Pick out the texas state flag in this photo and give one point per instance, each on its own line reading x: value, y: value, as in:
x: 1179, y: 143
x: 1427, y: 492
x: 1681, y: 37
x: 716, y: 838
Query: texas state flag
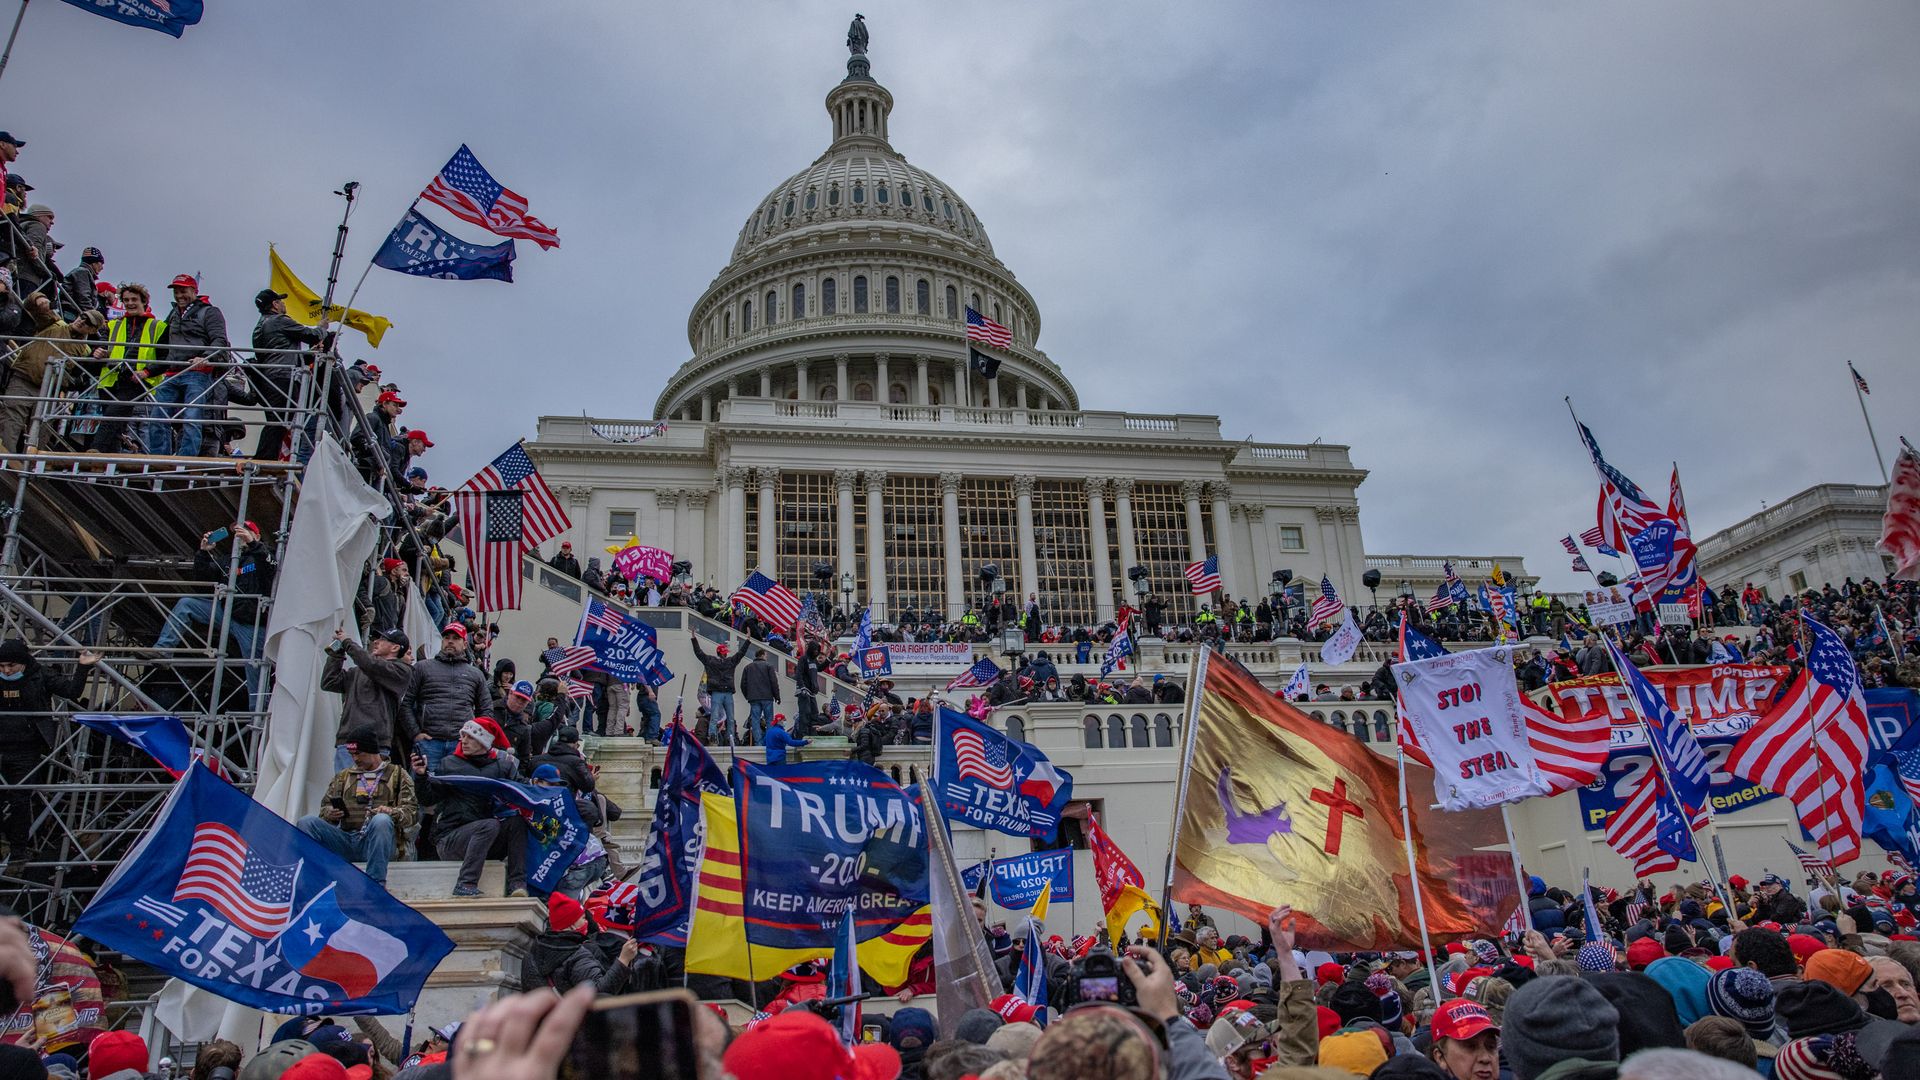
x: 323, y: 943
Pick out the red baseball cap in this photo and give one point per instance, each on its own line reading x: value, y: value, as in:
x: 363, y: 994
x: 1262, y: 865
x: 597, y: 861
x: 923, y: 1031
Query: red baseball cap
x: 1329, y: 972
x: 416, y: 433
x: 1643, y: 952
x: 453, y: 627
x: 795, y: 1045
x: 389, y: 396
x: 183, y: 281
x: 1461, y: 1019
x: 1013, y: 1009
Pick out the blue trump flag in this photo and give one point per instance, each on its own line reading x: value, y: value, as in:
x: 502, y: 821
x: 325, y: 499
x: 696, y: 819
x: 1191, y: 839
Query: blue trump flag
x: 661, y: 909
x: 988, y: 780
x: 1893, y: 779
x: 419, y: 247
x: 226, y: 895
x: 167, y: 16
x: 627, y: 648
x: 1015, y: 882
x: 165, y: 737
x: 555, y: 834
x: 972, y: 876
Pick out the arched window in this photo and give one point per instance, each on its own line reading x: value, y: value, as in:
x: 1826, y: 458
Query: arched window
x: 1381, y: 732
x: 813, y: 199
x: 897, y: 394
x: 974, y: 303
x: 906, y: 199
x: 1090, y: 727
x: 833, y: 195
x: 933, y: 395
x: 746, y: 315
x: 1116, y: 733
x: 769, y: 221
x: 789, y: 210
x: 926, y: 200
x: 830, y: 392
x: 996, y: 311
x: 1338, y: 718
x: 880, y: 196
x: 1163, y: 730
x: 922, y: 298
x: 860, y: 294
x: 859, y: 193
x: 799, y: 308
x: 772, y: 313
x: 863, y: 391
x: 1017, y: 728
x: 947, y: 208
x: 830, y: 296
x: 727, y: 322
x: 1139, y: 730
x: 893, y: 295
x: 953, y: 303
x: 653, y: 779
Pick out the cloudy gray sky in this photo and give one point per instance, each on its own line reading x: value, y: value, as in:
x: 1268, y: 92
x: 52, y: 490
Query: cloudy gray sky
x: 1408, y: 227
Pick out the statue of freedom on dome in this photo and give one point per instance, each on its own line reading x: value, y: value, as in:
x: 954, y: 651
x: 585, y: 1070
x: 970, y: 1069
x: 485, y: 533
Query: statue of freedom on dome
x: 857, y: 36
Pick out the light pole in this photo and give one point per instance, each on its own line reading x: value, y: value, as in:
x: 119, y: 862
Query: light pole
x: 846, y: 593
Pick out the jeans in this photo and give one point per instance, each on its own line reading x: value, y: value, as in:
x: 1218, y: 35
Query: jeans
x: 721, y: 711
x: 199, y: 611
x: 435, y: 751
x: 759, y: 715
x: 373, y: 843
x: 581, y: 877
x: 473, y: 842
x: 188, y: 390
x: 649, y: 717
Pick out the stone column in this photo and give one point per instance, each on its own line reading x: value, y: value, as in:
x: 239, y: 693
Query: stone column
x: 706, y: 405
x: 766, y: 382
x: 800, y: 379
x: 1020, y: 395
x: 1196, y: 529
x: 579, y: 512
x: 840, y: 376
x: 950, y: 541
x: 1259, y: 558
x: 1023, y: 527
x: 843, y: 480
x: 1123, y: 517
x: 1328, y: 520
x: 960, y: 382
x: 693, y: 526
x: 993, y: 393
x: 666, y: 521
x: 876, y: 482
x: 881, y: 391
x: 1097, y: 548
x: 733, y: 526
x: 767, y: 557
x: 1222, y: 494
x: 920, y: 379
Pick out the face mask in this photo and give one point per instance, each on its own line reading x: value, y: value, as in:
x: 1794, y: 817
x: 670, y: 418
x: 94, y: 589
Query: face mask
x: 15, y: 675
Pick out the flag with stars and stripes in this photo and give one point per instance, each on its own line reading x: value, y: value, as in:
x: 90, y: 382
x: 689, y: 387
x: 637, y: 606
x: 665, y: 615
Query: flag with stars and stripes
x: 1120, y: 648
x: 513, y: 470
x: 987, y: 332
x: 1811, y: 863
x: 768, y: 599
x: 1204, y: 575
x: 466, y: 188
x: 810, y: 619
x: 982, y: 673
x: 1859, y: 383
x: 1327, y: 606
x: 493, y: 525
x: 1441, y: 600
x: 1670, y: 737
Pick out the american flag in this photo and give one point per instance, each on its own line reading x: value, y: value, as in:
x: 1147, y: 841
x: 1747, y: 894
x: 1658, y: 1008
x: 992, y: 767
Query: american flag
x: 1204, y: 575
x: 1669, y: 736
x: 1120, y: 648
x: 465, y: 187
x: 987, y: 332
x: 514, y: 471
x: 1570, y: 753
x: 1812, y: 746
x: 1624, y: 510
x: 222, y: 870
x: 1442, y: 598
x: 1635, y: 908
x: 1567, y: 542
x: 576, y: 689
x: 1327, y: 606
x: 493, y: 524
x: 600, y: 615
x: 810, y: 617
x: 1593, y: 537
x: 569, y: 658
x: 982, y: 673
x: 1811, y: 863
x: 1454, y: 585
x: 1648, y: 830
x: 768, y: 599
x: 984, y: 761
x: 1859, y: 383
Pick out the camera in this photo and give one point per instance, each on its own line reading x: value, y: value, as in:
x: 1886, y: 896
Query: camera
x: 1097, y: 979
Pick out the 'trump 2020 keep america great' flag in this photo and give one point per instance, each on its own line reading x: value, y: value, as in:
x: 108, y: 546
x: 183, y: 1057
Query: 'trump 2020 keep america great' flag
x: 226, y: 895
x: 986, y: 779
x: 673, y: 843
x: 623, y: 646
x: 419, y: 247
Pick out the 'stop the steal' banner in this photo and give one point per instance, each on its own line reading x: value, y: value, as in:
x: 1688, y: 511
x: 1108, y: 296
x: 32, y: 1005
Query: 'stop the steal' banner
x: 988, y: 780
x: 1465, y: 708
x: 1015, y: 882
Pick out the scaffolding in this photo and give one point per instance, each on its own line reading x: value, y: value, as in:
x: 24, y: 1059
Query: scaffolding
x: 99, y: 556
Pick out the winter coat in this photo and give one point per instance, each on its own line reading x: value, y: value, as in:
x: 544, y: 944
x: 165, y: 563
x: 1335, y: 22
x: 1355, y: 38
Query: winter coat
x: 394, y: 788
x: 459, y: 806
x: 563, y: 959
x: 719, y: 669
x: 759, y: 682
x: 252, y: 582
x: 202, y: 331
x: 276, y: 342
x: 369, y: 695
x: 869, y: 741
x: 33, y: 692
x: 778, y: 741
x: 566, y: 757
x: 443, y: 695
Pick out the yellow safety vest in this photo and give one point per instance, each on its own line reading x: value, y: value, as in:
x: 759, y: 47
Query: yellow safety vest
x: 117, y: 335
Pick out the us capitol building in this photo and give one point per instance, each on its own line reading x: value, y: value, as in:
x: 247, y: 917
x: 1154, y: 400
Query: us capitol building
x: 828, y: 415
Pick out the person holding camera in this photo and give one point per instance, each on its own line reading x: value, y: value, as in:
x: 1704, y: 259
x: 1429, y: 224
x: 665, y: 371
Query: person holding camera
x: 370, y: 690
x: 366, y: 810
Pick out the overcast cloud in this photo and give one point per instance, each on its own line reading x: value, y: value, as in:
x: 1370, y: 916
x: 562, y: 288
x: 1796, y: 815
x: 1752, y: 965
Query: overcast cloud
x: 1408, y: 227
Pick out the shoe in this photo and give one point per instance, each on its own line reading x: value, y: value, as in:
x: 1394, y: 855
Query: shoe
x: 466, y: 890
x: 515, y: 892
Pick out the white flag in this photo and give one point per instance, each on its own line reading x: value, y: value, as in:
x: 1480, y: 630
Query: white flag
x: 1341, y: 646
x: 1296, y: 685
x: 1465, y: 709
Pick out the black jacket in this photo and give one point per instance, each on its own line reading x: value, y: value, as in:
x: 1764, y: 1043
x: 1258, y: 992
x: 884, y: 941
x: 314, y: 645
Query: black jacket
x: 79, y: 294
x: 457, y: 806
x: 198, y: 326
x: 760, y: 682
x: 566, y: 757
x: 370, y: 696
x: 563, y: 959
x: 445, y: 694
x: 719, y: 668
x: 252, y: 583
x: 870, y: 740
x: 33, y: 692
x: 276, y: 342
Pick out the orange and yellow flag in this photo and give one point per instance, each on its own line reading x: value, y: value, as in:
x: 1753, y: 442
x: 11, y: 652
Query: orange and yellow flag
x: 1282, y: 809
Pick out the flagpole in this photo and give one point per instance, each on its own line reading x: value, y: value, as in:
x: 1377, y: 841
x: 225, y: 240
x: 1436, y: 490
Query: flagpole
x: 1858, y: 394
x: 17, y: 20
x: 1196, y: 681
x: 1413, y: 871
x: 346, y: 192
x: 1519, y: 873
x: 1819, y: 758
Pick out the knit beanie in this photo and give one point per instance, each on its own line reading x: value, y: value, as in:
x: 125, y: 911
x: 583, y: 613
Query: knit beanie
x: 1806, y: 1059
x: 1352, y: 1001
x: 1595, y: 956
x: 1555, y: 1018
x: 1648, y: 1018
x: 1816, y: 1008
x: 977, y: 1026
x: 1745, y: 995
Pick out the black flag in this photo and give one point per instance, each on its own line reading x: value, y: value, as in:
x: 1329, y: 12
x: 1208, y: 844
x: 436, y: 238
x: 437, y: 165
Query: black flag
x: 983, y: 365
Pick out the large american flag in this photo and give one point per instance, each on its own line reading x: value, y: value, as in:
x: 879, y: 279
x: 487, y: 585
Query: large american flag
x: 768, y: 599
x: 1204, y: 575
x: 1812, y: 746
x: 1648, y: 830
x: 984, y: 761
x: 1669, y: 737
x: 514, y: 471
x: 1569, y: 753
x: 493, y: 524
x: 1624, y: 510
x: 982, y: 673
x: 465, y: 187
x: 987, y: 332
x: 570, y: 658
x: 1327, y: 606
x: 222, y: 870
x: 1442, y: 599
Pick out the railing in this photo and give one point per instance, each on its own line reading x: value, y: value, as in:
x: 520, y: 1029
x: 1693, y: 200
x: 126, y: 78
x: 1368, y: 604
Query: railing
x: 1851, y: 497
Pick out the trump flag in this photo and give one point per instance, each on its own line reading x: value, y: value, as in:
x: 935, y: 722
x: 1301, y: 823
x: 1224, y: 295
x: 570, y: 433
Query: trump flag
x: 623, y: 646
x: 990, y: 781
x: 226, y: 895
x: 675, y: 839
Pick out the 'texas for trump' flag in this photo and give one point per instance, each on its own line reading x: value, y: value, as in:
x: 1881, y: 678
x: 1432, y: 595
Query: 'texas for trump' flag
x: 1282, y: 809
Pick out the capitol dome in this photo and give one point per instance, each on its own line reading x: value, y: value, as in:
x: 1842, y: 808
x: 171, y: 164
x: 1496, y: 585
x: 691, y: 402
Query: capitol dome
x: 850, y: 280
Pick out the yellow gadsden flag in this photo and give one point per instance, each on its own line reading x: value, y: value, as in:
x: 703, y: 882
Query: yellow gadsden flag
x: 1283, y: 809
x: 303, y: 304
x: 718, y: 939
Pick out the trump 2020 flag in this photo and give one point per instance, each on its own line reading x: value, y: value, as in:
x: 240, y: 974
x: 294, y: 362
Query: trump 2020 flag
x: 988, y: 780
x: 624, y: 647
x: 419, y: 247
x: 165, y: 737
x: 843, y: 977
x: 167, y: 16
x: 226, y: 895
x: 660, y: 912
x: 555, y: 834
